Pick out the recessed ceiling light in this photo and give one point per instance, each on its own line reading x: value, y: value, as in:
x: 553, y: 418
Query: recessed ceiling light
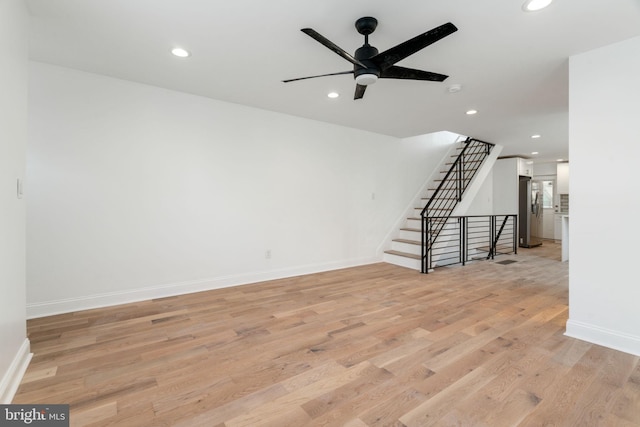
x: 534, y: 152
x: 472, y: 112
x: 333, y: 95
x: 180, y: 52
x: 454, y: 88
x: 536, y: 136
x: 533, y: 5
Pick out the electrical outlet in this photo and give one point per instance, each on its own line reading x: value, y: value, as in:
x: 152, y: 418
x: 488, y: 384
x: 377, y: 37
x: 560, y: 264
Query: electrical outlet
x: 267, y: 254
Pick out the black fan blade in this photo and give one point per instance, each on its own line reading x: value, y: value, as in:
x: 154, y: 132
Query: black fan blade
x: 396, y: 72
x: 359, y: 91
x: 397, y: 53
x: 331, y: 45
x: 321, y: 75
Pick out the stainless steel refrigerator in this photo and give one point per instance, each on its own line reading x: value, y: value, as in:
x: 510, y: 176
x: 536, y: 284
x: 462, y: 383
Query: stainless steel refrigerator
x: 530, y: 212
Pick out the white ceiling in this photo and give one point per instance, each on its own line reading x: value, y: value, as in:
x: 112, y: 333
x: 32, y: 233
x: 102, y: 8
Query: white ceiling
x: 513, y: 65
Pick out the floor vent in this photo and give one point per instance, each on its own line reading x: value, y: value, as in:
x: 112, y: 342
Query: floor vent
x: 506, y: 262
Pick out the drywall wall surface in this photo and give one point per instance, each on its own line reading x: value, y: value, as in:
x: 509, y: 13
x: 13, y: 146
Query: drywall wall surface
x: 505, y: 186
x: 603, y: 142
x: 424, y: 157
x: 546, y: 169
x: 139, y: 191
x: 482, y: 203
x: 13, y: 138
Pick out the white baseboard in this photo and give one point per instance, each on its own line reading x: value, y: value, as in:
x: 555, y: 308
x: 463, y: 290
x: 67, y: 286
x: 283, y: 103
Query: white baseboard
x: 49, y: 308
x: 605, y: 337
x: 13, y: 376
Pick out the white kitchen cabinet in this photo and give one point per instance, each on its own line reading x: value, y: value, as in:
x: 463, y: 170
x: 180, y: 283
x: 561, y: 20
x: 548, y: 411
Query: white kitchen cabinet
x: 525, y: 167
x: 562, y: 176
x: 557, y: 227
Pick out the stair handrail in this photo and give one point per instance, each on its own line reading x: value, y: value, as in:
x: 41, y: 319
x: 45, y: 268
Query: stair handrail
x: 455, y: 163
x: 424, y: 213
x: 467, y: 143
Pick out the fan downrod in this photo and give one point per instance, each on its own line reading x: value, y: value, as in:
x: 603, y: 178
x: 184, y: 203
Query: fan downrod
x: 366, y: 25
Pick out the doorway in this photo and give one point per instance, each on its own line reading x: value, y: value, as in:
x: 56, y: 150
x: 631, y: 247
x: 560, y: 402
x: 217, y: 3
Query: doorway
x: 548, y: 207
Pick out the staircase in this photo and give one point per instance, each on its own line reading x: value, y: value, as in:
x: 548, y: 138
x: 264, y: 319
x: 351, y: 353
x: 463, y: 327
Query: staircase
x: 439, y: 202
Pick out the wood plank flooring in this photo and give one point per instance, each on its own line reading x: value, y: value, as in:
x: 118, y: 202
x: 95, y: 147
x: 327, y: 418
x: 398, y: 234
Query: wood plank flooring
x: 377, y: 345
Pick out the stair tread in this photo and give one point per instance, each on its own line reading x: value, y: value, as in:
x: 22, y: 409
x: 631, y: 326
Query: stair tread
x: 404, y: 254
x: 417, y: 230
x: 466, y: 162
x: 414, y: 230
x: 419, y: 219
x: 410, y: 242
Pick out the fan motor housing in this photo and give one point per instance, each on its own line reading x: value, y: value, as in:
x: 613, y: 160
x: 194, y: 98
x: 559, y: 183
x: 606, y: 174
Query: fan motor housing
x: 363, y: 54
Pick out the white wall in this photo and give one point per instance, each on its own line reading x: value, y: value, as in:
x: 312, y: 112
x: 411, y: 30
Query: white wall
x: 544, y: 170
x: 483, y: 200
x: 604, y: 295
x: 14, y: 346
x: 506, y: 186
x: 138, y: 192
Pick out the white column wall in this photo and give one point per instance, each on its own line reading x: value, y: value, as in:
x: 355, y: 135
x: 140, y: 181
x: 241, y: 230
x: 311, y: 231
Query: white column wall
x: 138, y: 192
x: 14, y: 346
x: 506, y: 186
x: 604, y: 136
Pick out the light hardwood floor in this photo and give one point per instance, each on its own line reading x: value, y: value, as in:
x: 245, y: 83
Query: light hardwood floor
x: 377, y: 345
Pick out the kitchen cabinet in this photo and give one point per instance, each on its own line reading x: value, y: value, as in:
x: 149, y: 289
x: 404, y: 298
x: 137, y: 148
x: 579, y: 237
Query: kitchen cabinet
x: 562, y: 177
x: 557, y: 227
x: 525, y: 167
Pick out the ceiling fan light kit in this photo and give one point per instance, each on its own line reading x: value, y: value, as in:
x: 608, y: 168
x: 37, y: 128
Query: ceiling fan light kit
x: 366, y: 79
x: 369, y: 65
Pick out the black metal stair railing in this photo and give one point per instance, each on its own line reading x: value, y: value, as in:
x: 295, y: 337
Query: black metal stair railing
x: 468, y: 238
x: 449, y: 193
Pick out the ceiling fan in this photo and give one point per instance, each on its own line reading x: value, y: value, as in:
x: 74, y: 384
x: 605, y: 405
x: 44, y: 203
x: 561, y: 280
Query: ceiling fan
x: 369, y: 65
